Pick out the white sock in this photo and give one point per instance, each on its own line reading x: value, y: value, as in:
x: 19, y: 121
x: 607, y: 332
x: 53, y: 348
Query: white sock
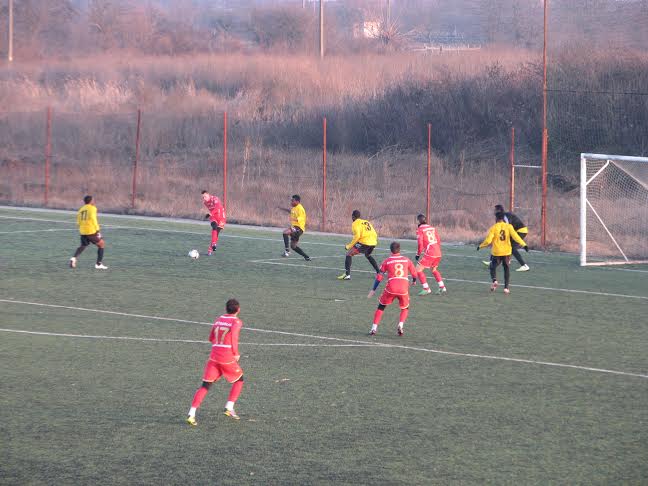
x: 374, y: 327
x: 192, y: 412
x: 441, y: 284
x: 400, y: 325
x: 229, y: 406
x: 426, y: 286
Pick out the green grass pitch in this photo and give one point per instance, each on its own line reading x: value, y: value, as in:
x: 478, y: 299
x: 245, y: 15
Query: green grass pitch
x: 547, y: 385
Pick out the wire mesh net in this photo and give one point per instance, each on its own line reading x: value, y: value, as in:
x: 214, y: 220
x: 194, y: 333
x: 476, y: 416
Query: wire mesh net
x: 616, y: 210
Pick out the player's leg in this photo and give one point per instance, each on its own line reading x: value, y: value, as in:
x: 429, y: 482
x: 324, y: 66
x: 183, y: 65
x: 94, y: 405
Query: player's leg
x: 506, y: 263
x: 403, y: 300
x: 84, y: 244
x: 437, y: 276
x: 420, y: 273
x: 377, y: 317
x: 234, y: 393
x: 518, y: 256
x: 494, y: 262
x: 294, y: 239
x: 101, y: 245
x: 286, y: 238
x: 214, y: 237
x: 211, y: 374
x: 347, y: 263
x: 368, y: 250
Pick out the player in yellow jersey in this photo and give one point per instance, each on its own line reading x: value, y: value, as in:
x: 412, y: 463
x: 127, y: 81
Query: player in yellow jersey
x: 89, y: 230
x: 499, y: 236
x: 297, y: 227
x: 364, y: 241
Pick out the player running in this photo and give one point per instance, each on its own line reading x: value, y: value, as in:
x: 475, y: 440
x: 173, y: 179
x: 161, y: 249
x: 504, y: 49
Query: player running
x: 499, y: 236
x: 297, y: 227
x: 216, y: 216
x: 398, y: 269
x: 429, y: 246
x: 223, y: 361
x: 521, y: 230
x: 364, y: 241
x: 89, y: 231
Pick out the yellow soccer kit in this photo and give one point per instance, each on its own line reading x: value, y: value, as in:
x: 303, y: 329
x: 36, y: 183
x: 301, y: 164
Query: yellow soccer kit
x: 87, y: 220
x: 499, y: 235
x: 363, y: 233
x: 298, y: 217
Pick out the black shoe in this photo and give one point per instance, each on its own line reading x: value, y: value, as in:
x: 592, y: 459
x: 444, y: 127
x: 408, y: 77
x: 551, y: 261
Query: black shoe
x: 307, y: 258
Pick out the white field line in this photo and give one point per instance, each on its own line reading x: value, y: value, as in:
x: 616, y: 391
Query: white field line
x: 551, y: 289
x: 190, y: 341
x: 36, y: 231
x: 353, y: 341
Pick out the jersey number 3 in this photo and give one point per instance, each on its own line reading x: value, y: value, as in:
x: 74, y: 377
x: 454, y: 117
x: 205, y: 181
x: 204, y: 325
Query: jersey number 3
x: 502, y: 236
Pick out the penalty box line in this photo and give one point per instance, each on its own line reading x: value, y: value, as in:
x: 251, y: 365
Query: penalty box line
x: 534, y: 287
x: 351, y: 341
x: 189, y: 341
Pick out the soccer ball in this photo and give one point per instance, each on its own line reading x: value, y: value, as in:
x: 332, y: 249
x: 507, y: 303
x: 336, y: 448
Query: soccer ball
x: 193, y: 254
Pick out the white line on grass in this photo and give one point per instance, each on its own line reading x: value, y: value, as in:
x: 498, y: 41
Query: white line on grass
x: 354, y: 341
x: 191, y: 341
x: 36, y: 231
x: 551, y: 289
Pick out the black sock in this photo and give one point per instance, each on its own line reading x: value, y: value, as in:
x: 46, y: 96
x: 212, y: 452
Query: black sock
x: 286, y: 242
x: 79, y: 251
x: 347, y: 265
x: 100, y: 253
x: 373, y: 263
x: 507, y: 275
x: 492, y: 271
x: 300, y: 252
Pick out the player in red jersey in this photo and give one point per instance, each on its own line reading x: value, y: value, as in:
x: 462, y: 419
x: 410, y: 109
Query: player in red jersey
x: 223, y: 361
x: 216, y: 218
x: 429, y: 247
x: 398, y: 269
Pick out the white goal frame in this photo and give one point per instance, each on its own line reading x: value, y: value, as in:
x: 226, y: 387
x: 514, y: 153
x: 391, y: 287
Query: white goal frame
x: 584, y: 204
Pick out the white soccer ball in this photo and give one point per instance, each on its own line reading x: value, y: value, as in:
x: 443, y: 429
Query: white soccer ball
x: 194, y: 254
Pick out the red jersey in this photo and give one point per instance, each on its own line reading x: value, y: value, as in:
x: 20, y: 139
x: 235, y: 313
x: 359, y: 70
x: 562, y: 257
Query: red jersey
x: 216, y: 210
x: 398, y: 268
x: 429, y: 242
x: 224, y: 337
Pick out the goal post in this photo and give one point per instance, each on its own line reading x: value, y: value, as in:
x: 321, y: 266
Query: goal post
x: 613, y: 209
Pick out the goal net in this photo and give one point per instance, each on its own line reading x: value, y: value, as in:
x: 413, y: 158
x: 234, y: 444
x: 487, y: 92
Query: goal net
x: 613, y: 209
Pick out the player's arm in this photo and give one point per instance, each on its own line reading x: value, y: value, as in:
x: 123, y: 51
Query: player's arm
x: 212, y: 335
x: 419, y: 239
x: 357, y: 234
x: 236, y: 330
x: 489, y: 238
x: 379, y: 278
x: 516, y: 237
x: 301, y: 218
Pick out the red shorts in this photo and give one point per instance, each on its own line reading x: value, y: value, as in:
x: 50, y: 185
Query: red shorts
x: 429, y: 261
x: 387, y: 298
x: 213, y: 371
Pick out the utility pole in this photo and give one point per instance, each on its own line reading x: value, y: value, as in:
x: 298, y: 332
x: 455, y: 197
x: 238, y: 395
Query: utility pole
x: 321, y: 28
x: 10, y: 52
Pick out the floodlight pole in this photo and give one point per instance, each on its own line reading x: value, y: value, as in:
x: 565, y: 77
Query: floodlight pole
x: 10, y: 51
x: 545, y: 137
x: 321, y: 28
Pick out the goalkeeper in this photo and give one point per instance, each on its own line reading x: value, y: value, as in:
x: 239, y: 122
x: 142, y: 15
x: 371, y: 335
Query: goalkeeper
x: 499, y: 237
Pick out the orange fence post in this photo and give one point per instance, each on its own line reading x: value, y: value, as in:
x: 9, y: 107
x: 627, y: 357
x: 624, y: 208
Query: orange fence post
x: 429, y: 170
x: 324, y: 174
x: 48, y: 153
x: 543, y: 213
x: 512, y: 179
x: 225, y: 160
x: 137, y: 148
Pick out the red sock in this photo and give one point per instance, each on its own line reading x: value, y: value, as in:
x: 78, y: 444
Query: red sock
x: 421, y: 276
x: 437, y: 275
x: 403, y: 315
x: 237, y: 386
x: 198, y: 397
x: 377, y: 316
x: 214, y: 237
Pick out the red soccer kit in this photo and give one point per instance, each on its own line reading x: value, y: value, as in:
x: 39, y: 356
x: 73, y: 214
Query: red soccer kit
x: 398, y: 268
x: 224, y: 337
x: 216, y: 211
x: 429, y: 245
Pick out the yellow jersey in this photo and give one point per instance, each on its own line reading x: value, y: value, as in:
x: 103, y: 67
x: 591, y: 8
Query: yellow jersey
x: 87, y: 220
x: 363, y: 233
x: 499, y: 235
x: 298, y: 217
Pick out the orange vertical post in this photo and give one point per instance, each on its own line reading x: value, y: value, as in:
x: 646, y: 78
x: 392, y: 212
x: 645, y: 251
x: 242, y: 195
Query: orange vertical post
x: 512, y: 179
x: 429, y: 171
x: 545, y: 138
x: 48, y: 153
x: 324, y: 174
x: 225, y: 160
x: 543, y: 213
x: 136, y: 160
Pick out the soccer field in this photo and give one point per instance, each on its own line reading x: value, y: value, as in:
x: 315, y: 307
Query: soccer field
x: 546, y: 385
